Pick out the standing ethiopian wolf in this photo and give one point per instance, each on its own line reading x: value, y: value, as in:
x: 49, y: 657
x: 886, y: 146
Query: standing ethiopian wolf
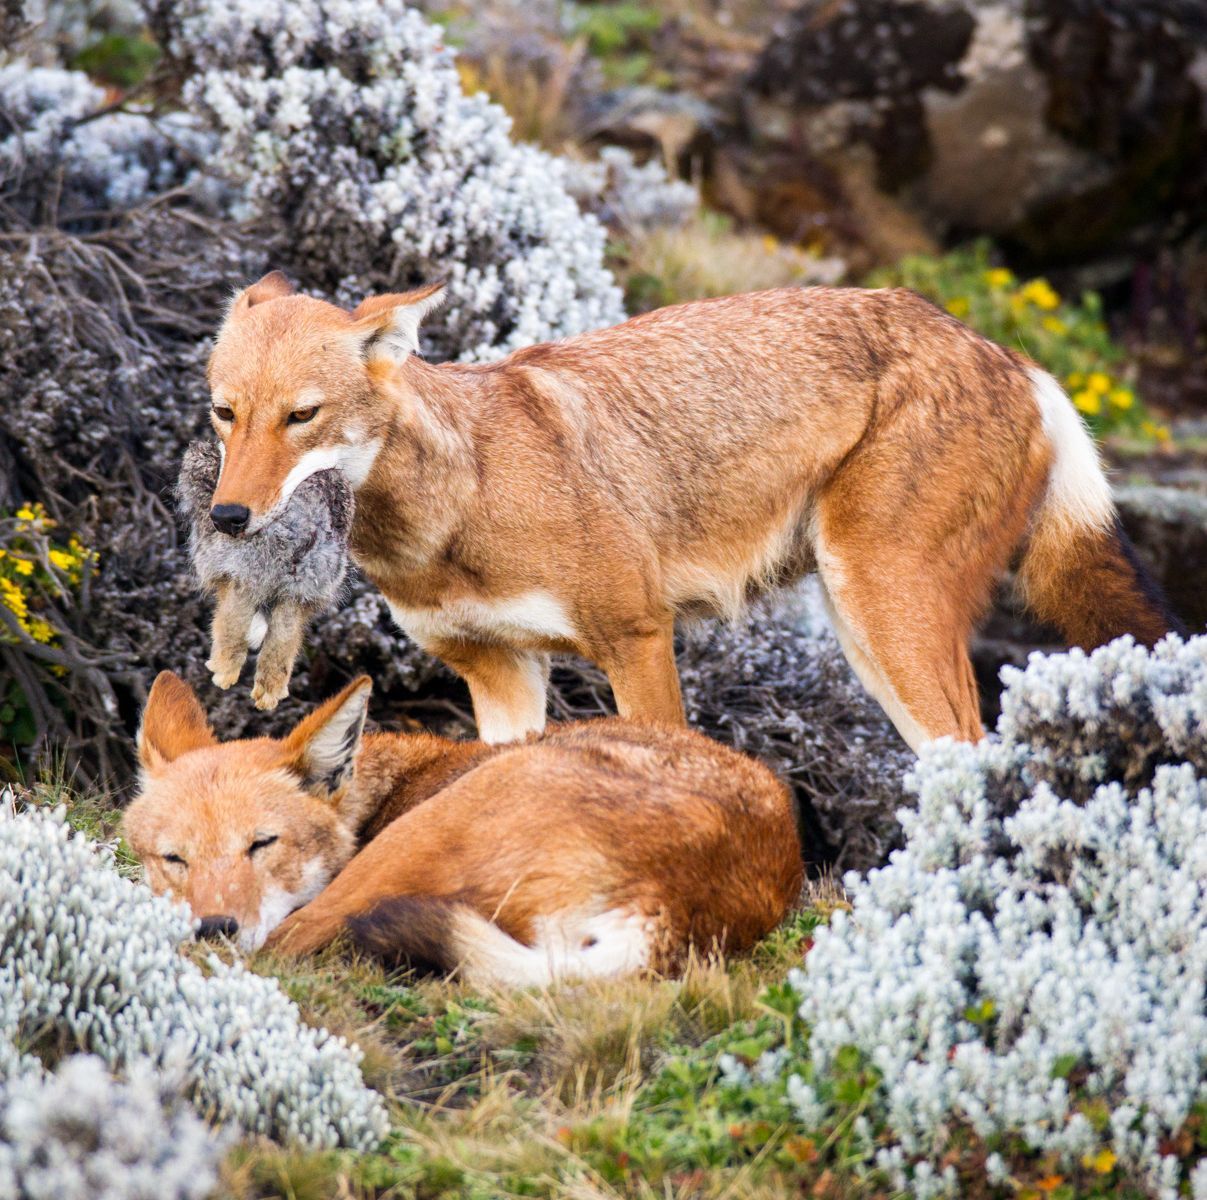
x: 576, y: 497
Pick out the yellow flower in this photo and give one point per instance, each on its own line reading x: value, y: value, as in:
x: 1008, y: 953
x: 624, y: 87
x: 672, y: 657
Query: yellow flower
x: 23, y: 566
x: 13, y: 598
x: 63, y: 559
x: 1075, y: 381
x: 82, y: 552
x: 770, y: 243
x: 1098, y: 381
x: 958, y: 307
x: 1103, y: 1162
x: 25, y: 513
x: 1055, y: 325
x: 41, y: 631
x: 1039, y: 292
x: 1122, y: 398
x: 1087, y: 402
x: 999, y: 277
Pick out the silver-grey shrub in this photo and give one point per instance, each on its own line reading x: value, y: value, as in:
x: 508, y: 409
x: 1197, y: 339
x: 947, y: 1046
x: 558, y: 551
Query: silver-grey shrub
x: 1040, y: 942
x: 344, y: 124
x: 81, y: 1134
x: 91, y: 962
x: 775, y: 684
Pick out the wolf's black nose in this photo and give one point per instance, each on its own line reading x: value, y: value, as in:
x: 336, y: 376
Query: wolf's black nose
x: 212, y: 927
x: 230, y: 518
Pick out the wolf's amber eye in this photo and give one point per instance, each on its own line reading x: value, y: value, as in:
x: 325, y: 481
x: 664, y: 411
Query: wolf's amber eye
x: 260, y: 843
x: 301, y: 415
x: 223, y: 413
x: 175, y: 859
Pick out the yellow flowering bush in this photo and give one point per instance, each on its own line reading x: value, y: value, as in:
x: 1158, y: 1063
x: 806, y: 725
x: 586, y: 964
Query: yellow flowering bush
x: 37, y: 570
x: 1068, y: 337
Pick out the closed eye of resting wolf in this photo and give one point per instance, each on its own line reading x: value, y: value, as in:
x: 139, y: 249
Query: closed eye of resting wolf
x: 603, y: 847
x: 580, y: 496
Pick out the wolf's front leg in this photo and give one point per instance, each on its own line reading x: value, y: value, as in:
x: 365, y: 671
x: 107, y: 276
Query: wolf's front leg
x: 286, y: 625
x: 233, y: 615
x: 508, y: 687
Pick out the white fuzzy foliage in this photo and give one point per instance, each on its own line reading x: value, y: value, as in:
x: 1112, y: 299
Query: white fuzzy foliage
x: 112, y: 161
x: 83, y: 1135
x: 346, y: 120
x: 1045, y: 922
x: 91, y: 962
x: 633, y: 196
x: 59, y: 28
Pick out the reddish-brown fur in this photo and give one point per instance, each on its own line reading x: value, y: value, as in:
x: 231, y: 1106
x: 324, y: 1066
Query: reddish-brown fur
x: 578, y: 496
x: 694, y: 840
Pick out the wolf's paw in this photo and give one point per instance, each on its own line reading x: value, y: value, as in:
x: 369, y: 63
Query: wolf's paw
x: 268, y: 693
x: 225, y: 674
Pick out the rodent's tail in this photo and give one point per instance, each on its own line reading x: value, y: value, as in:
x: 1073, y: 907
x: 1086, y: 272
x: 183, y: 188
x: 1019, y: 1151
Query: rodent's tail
x: 1079, y: 570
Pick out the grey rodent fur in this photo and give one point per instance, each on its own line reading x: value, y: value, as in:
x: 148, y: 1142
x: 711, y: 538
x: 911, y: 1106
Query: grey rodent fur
x: 286, y: 573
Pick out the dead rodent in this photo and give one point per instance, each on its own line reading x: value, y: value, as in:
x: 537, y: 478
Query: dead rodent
x: 269, y: 584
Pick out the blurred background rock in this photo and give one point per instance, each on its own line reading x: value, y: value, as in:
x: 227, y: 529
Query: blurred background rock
x: 1038, y: 167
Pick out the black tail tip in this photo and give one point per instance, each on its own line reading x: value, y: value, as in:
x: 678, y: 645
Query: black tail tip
x: 1152, y: 592
x: 407, y: 931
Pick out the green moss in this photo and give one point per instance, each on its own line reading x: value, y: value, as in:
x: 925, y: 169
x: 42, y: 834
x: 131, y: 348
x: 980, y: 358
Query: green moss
x: 119, y: 59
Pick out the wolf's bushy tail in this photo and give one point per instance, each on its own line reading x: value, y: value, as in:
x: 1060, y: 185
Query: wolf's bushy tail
x: 449, y: 933
x: 1079, y: 570
x: 446, y: 934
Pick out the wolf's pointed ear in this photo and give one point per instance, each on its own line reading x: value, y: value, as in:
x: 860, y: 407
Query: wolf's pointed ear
x: 273, y: 286
x: 321, y: 750
x: 387, y: 327
x: 173, y: 723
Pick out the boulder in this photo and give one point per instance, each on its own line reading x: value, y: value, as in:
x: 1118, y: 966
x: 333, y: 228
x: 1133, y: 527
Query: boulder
x: 1058, y: 125
x: 1169, y: 528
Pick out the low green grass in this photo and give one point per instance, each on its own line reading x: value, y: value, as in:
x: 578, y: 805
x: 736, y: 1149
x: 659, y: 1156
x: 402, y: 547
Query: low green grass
x: 582, y: 1090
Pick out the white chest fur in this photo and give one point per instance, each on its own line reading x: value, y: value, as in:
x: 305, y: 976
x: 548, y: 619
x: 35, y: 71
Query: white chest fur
x: 528, y: 621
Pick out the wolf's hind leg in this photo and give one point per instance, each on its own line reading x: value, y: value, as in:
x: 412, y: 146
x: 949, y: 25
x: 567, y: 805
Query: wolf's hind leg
x: 233, y: 617
x: 282, y: 642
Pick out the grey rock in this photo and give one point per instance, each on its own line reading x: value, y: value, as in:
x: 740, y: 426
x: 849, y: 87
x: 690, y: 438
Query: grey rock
x: 1169, y: 528
x: 1060, y: 125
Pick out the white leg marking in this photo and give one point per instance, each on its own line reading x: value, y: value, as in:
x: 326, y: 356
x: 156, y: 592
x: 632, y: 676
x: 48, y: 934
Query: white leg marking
x: 588, y: 945
x: 569, y: 945
x: 870, y: 675
x: 512, y: 720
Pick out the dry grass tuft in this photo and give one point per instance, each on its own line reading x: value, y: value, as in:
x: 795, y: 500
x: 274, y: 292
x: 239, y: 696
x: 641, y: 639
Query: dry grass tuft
x: 709, y: 257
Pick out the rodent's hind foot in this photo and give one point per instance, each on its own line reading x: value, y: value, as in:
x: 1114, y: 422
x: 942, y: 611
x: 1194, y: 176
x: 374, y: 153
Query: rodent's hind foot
x: 225, y: 674
x: 267, y: 694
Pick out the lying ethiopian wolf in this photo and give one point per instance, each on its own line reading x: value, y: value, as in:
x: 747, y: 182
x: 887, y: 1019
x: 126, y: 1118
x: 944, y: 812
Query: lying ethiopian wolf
x: 576, y: 497
x: 600, y: 848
